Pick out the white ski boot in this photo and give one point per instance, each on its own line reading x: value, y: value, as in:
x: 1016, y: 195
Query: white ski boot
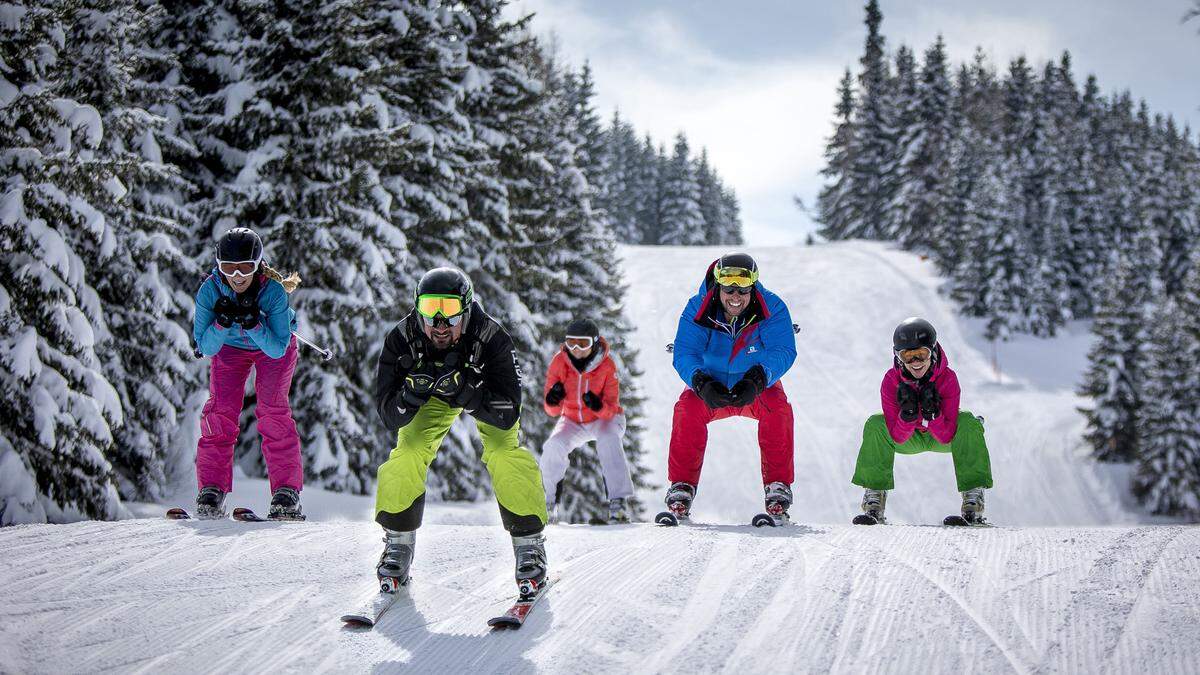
x: 530, y: 554
x: 873, y: 504
x: 778, y: 498
x: 972, y: 506
x: 397, y: 557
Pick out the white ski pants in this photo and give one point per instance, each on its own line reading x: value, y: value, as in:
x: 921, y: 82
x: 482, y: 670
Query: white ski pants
x: 568, y: 435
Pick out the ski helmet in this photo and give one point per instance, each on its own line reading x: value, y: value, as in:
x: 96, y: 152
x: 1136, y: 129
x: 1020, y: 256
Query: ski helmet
x: 446, y: 281
x: 583, y: 328
x: 240, y: 244
x: 912, y: 333
x: 736, y: 269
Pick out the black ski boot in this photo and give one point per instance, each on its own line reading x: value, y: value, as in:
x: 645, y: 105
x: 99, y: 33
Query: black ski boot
x: 210, y: 503
x: 530, y: 554
x: 679, y: 503
x: 617, y: 511
x: 285, y: 505
x: 397, y: 557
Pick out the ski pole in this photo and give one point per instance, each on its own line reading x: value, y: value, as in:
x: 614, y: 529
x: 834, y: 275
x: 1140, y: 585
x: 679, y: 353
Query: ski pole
x: 325, y: 353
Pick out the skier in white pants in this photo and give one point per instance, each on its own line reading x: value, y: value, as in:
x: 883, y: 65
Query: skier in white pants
x: 582, y: 391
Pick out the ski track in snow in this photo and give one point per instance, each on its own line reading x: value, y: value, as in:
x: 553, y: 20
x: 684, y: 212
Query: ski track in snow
x: 1070, y: 582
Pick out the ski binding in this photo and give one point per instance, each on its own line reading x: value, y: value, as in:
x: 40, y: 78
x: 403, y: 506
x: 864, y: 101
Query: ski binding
x: 515, y: 616
x: 372, y: 609
x: 959, y: 521
x: 867, y: 519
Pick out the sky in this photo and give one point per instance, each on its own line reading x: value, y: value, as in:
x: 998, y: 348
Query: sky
x: 755, y: 83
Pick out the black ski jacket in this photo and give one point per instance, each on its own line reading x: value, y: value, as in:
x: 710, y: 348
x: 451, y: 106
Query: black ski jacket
x: 486, y: 357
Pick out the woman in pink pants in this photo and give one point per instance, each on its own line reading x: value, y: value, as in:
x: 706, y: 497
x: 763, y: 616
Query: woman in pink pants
x: 243, y: 321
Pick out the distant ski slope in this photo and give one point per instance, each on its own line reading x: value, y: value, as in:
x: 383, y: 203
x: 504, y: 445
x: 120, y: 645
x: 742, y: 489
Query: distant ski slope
x: 152, y: 596
x: 847, y: 298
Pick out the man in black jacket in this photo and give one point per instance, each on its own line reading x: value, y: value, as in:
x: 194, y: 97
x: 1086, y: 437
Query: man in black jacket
x: 445, y: 357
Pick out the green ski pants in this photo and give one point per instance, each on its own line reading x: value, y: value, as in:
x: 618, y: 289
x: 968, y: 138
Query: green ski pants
x: 400, y: 495
x: 972, y: 466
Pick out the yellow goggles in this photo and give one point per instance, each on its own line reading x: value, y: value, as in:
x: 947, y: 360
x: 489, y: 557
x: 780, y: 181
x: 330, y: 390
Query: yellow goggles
x: 735, y: 276
x: 429, y: 306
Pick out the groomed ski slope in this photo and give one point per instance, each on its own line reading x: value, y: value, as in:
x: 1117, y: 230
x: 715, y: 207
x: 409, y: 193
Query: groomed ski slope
x: 1071, y: 582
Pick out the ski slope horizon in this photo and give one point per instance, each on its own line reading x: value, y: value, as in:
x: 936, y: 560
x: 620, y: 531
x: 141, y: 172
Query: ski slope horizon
x: 1073, y: 579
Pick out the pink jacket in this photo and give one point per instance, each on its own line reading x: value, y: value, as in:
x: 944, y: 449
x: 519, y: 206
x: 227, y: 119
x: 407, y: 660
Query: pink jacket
x: 945, y: 425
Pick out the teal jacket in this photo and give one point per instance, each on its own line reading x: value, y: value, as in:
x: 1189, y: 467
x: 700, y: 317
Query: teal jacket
x: 273, y: 333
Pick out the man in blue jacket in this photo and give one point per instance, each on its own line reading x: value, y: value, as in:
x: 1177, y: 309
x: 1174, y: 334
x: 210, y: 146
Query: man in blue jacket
x: 734, y: 342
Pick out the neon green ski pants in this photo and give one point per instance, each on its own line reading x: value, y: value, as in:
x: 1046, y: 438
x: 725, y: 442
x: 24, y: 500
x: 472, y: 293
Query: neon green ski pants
x: 400, y: 495
x: 972, y: 465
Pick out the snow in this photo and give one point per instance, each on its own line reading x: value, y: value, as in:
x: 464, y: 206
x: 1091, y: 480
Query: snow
x: 236, y: 96
x: 21, y: 359
x: 1072, y: 580
x: 11, y: 16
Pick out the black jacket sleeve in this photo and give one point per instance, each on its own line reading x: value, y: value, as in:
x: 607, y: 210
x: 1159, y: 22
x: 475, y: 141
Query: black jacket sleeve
x: 498, y: 402
x: 395, y: 360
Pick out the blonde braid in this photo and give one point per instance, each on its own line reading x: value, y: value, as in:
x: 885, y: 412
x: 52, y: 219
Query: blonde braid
x: 289, y: 283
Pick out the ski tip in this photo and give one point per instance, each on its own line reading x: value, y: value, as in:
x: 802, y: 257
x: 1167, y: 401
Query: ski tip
x: 959, y: 521
x: 763, y: 520
x: 356, y: 621
x: 667, y: 519
x: 865, y: 519
x: 178, y: 514
x: 246, y: 515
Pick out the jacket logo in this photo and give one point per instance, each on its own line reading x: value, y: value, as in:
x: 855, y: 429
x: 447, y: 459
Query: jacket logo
x: 752, y: 350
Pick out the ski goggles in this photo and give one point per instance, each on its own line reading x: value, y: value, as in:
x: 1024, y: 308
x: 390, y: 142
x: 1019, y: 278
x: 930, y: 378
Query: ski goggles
x: 579, y: 343
x: 735, y: 276
x: 449, y: 307
x: 238, y: 268
x: 740, y: 290
x: 918, y: 355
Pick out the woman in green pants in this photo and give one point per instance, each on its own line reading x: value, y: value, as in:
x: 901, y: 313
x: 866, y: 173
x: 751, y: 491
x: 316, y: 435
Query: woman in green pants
x: 920, y: 397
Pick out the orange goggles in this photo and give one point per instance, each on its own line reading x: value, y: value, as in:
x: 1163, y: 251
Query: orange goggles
x: 735, y: 276
x: 918, y: 355
x: 448, y: 306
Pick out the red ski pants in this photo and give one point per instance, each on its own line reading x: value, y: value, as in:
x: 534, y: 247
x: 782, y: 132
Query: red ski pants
x: 689, y: 435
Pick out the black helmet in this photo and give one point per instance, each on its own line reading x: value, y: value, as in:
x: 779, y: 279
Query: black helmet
x: 912, y: 333
x: 446, y: 281
x: 583, y: 328
x: 736, y: 269
x: 239, y: 245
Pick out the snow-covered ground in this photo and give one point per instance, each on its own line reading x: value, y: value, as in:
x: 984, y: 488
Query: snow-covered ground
x: 1073, y: 580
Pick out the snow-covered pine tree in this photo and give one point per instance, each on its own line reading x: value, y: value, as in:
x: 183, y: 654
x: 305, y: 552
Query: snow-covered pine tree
x: 1115, y: 376
x: 1167, y: 475
x: 650, y: 177
x: 919, y: 209
x: 621, y: 157
x: 731, y: 215
x: 59, y: 408
x: 715, y: 227
x: 682, y: 219
x: 1082, y: 199
x: 144, y: 344
x: 835, y: 198
x: 1180, y: 227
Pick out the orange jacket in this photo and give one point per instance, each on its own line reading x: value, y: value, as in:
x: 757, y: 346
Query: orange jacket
x: 600, y: 378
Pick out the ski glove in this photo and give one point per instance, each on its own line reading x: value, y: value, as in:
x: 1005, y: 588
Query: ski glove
x: 713, y: 393
x: 749, y: 387
x: 556, y: 394
x: 243, y: 310
x: 226, y: 312
x: 592, y: 401
x: 906, y: 396
x: 930, y: 401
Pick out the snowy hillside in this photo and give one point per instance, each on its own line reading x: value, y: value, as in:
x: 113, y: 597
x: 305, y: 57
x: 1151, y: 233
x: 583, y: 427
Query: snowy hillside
x: 1071, y: 581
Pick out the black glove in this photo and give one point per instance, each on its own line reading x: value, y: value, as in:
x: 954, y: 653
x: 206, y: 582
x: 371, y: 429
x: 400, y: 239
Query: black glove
x: 749, y: 387
x: 419, y: 383
x: 592, y: 401
x: 713, y: 393
x: 247, y: 304
x: 227, y: 312
x: 556, y: 394
x: 931, y: 401
x: 470, y: 394
x: 906, y: 396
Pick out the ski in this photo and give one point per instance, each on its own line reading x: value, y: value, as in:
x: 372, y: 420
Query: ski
x: 178, y: 513
x: 372, y: 609
x: 515, y: 616
x: 867, y: 519
x: 666, y: 519
x: 246, y: 515
x: 768, y: 520
x: 959, y: 521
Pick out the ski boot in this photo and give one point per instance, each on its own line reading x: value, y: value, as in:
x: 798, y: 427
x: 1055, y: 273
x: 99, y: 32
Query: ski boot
x: 873, y: 504
x: 398, y: 550
x: 210, y: 503
x: 972, y: 506
x: 285, y: 505
x: 530, y: 554
x: 777, y: 497
x: 679, y: 503
x: 617, y: 512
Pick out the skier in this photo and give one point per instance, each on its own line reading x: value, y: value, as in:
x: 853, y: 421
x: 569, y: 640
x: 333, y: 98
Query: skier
x: 445, y: 357
x: 734, y: 342
x: 920, y: 397
x: 243, y: 321
x: 582, y: 391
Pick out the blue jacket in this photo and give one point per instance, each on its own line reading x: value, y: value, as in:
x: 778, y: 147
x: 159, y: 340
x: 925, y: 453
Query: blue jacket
x: 704, y: 343
x: 273, y: 333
